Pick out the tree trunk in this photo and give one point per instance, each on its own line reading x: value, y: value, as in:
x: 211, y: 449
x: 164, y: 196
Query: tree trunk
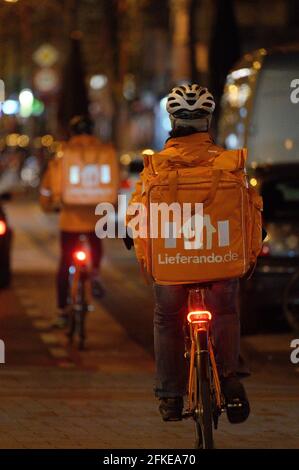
x: 224, y: 47
x: 193, y: 39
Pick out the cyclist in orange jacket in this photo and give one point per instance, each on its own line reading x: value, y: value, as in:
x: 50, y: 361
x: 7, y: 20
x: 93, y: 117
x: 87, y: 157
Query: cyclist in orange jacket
x: 73, y: 222
x: 190, y: 110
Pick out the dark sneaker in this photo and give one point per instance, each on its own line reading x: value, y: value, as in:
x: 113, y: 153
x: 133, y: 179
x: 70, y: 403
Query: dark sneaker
x: 98, y: 290
x: 237, y: 404
x: 171, y: 408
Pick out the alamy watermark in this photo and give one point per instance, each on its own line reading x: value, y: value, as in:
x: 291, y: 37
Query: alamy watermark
x: 2, y: 352
x: 294, y: 96
x: 2, y: 91
x: 294, y: 357
x: 161, y: 220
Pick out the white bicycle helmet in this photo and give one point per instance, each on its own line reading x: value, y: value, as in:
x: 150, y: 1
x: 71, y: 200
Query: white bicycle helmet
x: 188, y: 102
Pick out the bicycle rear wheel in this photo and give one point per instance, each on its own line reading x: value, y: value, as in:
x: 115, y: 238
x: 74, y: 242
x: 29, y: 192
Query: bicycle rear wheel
x: 203, y: 411
x: 81, y: 312
x: 78, y: 310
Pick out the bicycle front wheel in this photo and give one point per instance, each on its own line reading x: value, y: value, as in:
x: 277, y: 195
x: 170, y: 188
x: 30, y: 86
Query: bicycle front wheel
x: 203, y: 411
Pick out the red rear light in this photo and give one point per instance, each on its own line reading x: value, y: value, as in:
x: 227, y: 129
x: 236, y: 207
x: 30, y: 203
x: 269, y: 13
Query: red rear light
x: 265, y: 251
x: 125, y: 184
x: 80, y: 255
x: 3, y: 227
x: 199, y: 316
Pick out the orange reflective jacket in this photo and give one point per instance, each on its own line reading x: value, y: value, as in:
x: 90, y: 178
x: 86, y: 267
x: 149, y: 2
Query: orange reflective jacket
x: 73, y: 217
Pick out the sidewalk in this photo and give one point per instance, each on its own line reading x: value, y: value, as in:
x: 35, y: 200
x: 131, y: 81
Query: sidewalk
x: 53, y: 396
x: 101, y: 398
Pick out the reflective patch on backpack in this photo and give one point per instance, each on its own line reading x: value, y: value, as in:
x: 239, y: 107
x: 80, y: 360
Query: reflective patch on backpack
x: 223, y: 233
x: 105, y: 174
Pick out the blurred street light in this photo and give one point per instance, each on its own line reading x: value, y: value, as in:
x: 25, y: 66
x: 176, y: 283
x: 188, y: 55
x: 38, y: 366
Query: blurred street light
x: 12, y: 140
x: 97, y: 82
x: 232, y: 141
x: 253, y: 182
x: 23, y: 140
x: 38, y: 107
x: 10, y: 107
x: 125, y: 159
x: 26, y: 99
x: 46, y: 55
x: 47, y: 140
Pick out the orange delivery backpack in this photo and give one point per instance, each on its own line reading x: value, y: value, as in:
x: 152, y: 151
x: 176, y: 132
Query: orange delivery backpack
x: 85, y: 173
x: 231, y: 218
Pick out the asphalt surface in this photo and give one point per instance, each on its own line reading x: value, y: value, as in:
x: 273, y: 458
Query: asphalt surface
x: 53, y: 396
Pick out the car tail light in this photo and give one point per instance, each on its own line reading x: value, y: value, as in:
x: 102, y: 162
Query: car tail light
x: 199, y: 316
x: 265, y: 250
x: 80, y: 256
x: 125, y: 184
x: 3, y: 227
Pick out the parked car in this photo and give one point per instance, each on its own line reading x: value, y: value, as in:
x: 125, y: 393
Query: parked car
x: 258, y: 112
x: 279, y: 186
x: 5, y: 245
x: 257, y: 107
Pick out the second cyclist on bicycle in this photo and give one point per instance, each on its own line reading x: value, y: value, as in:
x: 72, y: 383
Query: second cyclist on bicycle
x: 83, y: 173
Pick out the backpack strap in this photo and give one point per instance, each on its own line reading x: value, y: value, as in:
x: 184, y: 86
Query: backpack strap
x: 173, y: 186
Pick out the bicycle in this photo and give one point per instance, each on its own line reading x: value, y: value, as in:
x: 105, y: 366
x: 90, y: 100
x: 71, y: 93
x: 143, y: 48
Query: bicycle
x: 205, y: 400
x: 80, y: 292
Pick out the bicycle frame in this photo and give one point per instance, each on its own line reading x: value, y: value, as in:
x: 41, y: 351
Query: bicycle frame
x: 199, y: 324
x: 81, y: 273
x: 80, y: 290
x: 203, y: 374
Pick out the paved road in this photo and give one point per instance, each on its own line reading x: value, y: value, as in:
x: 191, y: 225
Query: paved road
x: 55, y: 397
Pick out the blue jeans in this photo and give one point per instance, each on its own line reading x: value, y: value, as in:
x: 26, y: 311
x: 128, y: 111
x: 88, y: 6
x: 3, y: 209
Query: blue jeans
x: 221, y: 298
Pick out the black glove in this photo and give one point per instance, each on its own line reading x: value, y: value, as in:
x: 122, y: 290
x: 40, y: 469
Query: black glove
x: 128, y: 241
